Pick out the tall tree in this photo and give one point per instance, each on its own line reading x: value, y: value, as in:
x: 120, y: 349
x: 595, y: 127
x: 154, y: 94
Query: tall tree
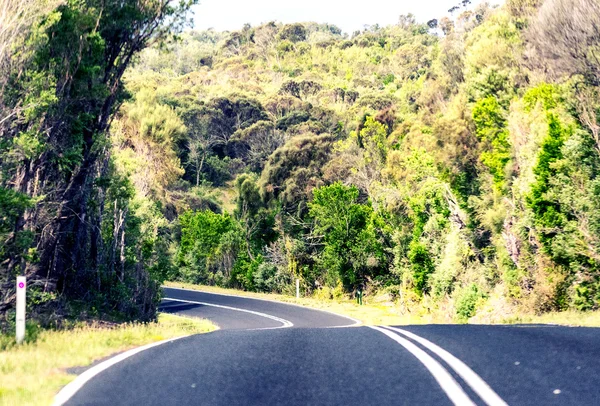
x: 68, y: 94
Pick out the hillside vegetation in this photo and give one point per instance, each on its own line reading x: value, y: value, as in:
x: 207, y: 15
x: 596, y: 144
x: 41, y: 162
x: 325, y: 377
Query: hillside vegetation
x: 451, y: 165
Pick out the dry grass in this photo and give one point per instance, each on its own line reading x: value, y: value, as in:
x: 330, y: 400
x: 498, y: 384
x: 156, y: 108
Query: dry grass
x: 499, y: 310
x: 374, y: 311
x: 31, y: 374
x: 379, y: 311
x: 566, y: 318
x: 228, y: 195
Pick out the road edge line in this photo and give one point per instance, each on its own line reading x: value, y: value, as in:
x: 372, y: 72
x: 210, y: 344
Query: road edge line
x: 356, y: 321
x: 69, y: 390
x: 285, y: 323
x: 479, y: 386
x: 448, y: 384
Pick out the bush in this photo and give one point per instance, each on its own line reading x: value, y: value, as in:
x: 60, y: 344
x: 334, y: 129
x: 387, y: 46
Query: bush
x: 327, y: 293
x: 421, y: 266
x: 219, y: 171
x: 244, y: 271
x: 350, y: 242
x: 202, y: 234
x: 466, y: 302
x: 291, y: 119
x: 293, y: 32
x: 264, y: 277
x: 268, y: 277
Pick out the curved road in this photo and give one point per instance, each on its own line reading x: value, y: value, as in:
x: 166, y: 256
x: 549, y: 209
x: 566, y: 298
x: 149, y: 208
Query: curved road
x: 269, y: 353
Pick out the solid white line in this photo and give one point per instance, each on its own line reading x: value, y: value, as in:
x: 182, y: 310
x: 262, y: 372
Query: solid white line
x: 70, y: 389
x: 285, y: 323
x: 448, y: 384
x: 478, y: 385
x: 356, y: 322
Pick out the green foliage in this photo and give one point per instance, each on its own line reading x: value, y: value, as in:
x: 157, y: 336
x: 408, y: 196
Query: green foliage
x: 565, y: 202
x: 489, y: 120
x: 292, y: 119
x: 257, y: 220
x: 264, y: 278
x: 218, y: 171
x: 421, y: 265
x: 12, y: 206
x: 428, y: 209
x: 546, y: 94
x: 458, y: 176
x: 351, y: 250
x: 83, y: 239
x: 201, y: 235
x: 293, y: 32
x: 247, y: 272
x: 294, y: 169
x: 466, y: 302
x: 387, y: 79
x: 254, y: 157
x: 372, y: 138
x: 28, y: 145
x: 548, y: 212
x: 284, y: 47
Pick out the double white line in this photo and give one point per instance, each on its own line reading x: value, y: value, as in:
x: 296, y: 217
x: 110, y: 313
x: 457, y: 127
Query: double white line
x: 284, y: 323
x: 448, y: 384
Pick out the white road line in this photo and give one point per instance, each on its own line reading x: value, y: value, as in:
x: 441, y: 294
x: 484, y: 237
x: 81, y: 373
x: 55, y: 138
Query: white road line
x: 448, y: 384
x: 478, y: 385
x: 285, y: 323
x: 70, y: 389
x: 356, y: 322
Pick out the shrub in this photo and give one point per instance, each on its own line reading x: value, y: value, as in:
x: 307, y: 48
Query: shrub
x: 217, y: 171
x: 466, y: 302
x: 293, y: 32
x: 201, y: 235
x: 346, y: 229
x: 264, y: 277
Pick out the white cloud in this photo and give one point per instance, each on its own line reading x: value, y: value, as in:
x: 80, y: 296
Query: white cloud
x: 350, y: 15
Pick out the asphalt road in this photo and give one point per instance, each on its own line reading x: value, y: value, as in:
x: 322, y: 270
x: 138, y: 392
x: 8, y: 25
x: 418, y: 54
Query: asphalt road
x: 269, y: 353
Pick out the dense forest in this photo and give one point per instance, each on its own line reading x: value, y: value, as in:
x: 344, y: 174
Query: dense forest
x: 452, y: 165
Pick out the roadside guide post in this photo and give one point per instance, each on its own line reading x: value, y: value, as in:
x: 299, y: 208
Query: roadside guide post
x: 21, y: 288
x: 359, y: 294
x: 298, y: 288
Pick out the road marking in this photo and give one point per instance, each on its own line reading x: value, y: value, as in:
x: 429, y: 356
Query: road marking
x: 70, y: 389
x: 448, y: 384
x: 356, y: 322
x: 478, y: 385
x: 285, y: 323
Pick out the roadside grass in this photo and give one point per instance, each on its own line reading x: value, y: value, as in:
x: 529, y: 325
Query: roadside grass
x: 378, y: 311
x: 32, y: 373
x: 565, y: 318
x: 374, y: 311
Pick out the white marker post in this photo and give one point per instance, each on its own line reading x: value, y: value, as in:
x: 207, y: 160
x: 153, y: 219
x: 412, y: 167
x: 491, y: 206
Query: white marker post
x: 21, y: 287
x: 298, y: 288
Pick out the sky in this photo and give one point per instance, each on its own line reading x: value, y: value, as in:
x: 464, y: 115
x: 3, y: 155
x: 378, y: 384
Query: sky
x: 349, y: 15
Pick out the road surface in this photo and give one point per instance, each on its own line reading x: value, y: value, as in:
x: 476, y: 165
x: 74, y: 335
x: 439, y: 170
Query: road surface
x: 269, y: 353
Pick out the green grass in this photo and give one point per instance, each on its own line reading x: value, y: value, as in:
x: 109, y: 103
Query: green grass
x: 31, y: 374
